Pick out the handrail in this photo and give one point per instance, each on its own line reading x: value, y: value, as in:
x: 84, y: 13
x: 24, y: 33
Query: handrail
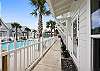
x: 27, y: 45
x: 28, y: 54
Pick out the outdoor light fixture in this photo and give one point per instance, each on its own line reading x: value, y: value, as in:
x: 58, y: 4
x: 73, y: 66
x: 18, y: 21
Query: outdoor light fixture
x: 75, y: 0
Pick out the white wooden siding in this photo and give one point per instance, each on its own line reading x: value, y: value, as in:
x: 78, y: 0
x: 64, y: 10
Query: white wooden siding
x: 83, y: 37
x: 82, y: 62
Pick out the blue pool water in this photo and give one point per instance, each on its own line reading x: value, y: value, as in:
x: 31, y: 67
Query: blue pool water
x: 19, y: 44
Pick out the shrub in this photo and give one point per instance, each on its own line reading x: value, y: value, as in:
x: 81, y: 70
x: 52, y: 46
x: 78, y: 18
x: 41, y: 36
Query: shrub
x: 63, y: 47
x: 66, y: 54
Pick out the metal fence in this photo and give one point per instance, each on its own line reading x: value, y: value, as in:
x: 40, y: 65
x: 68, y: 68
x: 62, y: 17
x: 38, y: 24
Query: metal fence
x: 20, y: 59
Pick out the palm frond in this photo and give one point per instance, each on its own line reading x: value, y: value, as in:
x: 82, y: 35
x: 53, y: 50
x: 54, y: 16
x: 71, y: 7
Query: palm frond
x: 34, y: 3
x: 34, y: 13
x: 15, y: 24
x: 47, y: 12
x: 20, y: 26
x: 50, y: 24
x: 27, y: 29
x: 40, y: 7
x: 34, y: 30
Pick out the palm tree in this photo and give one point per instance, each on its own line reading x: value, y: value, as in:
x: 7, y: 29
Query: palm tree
x: 56, y: 32
x: 40, y: 10
x: 51, y: 24
x: 16, y: 26
x: 34, y: 31
x: 28, y: 30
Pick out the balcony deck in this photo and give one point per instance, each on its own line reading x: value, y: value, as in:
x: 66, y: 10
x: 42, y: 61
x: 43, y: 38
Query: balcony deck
x: 52, y: 60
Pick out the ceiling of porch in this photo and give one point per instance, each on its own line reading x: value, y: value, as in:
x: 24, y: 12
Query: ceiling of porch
x: 59, y: 7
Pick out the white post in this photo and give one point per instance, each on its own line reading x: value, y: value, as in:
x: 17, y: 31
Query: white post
x: 20, y: 61
x: 27, y: 56
x: 0, y: 52
x: 24, y: 60
x: 8, y: 56
x: 15, y: 55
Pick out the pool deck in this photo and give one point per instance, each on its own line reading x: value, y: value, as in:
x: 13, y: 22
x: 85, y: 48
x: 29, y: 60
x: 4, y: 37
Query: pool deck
x: 51, y: 61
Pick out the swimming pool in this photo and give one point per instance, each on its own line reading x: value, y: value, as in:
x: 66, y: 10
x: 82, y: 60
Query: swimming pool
x: 19, y: 44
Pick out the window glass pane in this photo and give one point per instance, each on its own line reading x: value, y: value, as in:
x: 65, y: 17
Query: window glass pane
x: 96, y: 54
x: 95, y: 16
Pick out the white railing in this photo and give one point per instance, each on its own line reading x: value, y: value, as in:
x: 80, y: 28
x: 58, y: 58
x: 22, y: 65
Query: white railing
x: 20, y: 59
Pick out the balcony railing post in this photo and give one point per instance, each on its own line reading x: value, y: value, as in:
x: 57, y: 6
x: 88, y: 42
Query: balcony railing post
x: 20, y: 61
x: 8, y: 56
x: 28, y: 53
x: 15, y: 55
x: 0, y: 50
x: 24, y: 61
x: 0, y: 55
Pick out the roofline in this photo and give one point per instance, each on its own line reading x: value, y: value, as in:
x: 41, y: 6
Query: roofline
x: 4, y: 23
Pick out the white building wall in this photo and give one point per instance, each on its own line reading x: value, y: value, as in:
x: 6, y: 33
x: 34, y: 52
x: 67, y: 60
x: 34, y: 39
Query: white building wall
x: 3, y: 29
x: 80, y: 8
x: 83, y: 51
x: 84, y: 39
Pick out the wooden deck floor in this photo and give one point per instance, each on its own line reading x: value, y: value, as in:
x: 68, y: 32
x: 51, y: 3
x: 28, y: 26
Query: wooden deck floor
x: 52, y: 60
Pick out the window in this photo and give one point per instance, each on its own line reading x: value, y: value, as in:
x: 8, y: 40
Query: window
x: 95, y: 16
x: 95, y: 29
x: 75, y: 36
x: 96, y: 54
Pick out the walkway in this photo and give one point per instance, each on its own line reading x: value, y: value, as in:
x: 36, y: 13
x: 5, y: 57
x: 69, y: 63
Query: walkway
x: 52, y: 60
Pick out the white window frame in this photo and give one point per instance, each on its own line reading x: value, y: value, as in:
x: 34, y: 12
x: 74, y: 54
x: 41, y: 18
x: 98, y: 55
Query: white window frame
x: 75, y: 18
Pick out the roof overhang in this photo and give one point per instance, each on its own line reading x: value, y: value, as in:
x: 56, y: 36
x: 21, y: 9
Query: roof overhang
x: 59, y: 7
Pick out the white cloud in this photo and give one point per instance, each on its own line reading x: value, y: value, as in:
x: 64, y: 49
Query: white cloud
x: 96, y: 19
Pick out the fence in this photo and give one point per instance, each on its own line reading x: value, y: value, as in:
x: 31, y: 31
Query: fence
x: 20, y: 59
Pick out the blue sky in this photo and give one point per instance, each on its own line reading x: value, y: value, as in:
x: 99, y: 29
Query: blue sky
x: 19, y: 11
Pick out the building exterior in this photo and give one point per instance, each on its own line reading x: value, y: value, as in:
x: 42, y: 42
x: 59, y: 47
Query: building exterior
x: 21, y: 32
x: 6, y: 31
x: 12, y: 31
x: 3, y: 29
x: 25, y: 33
x: 33, y: 33
x: 78, y: 23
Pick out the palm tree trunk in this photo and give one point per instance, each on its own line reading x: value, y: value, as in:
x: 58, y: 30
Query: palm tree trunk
x: 16, y: 33
x: 23, y: 34
x: 51, y: 32
x: 54, y: 32
x: 34, y: 34
x: 27, y: 35
x: 40, y: 25
x: 40, y: 28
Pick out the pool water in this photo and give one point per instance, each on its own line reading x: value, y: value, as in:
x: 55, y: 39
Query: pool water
x: 19, y: 44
